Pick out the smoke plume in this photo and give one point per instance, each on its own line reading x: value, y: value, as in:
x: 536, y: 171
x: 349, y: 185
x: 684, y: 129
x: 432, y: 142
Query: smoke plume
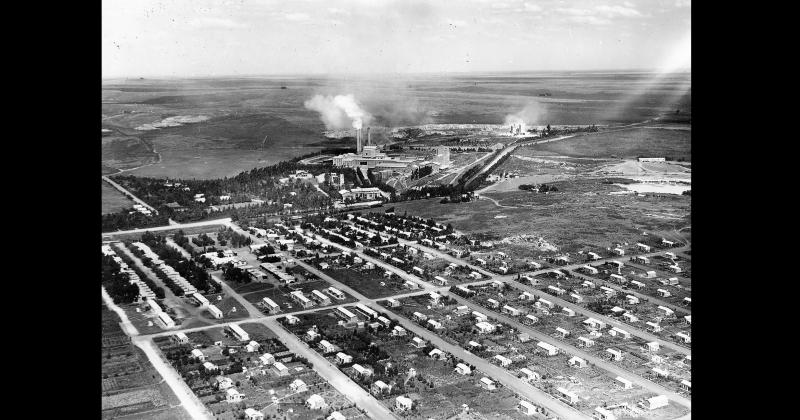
x: 528, y: 116
x: 339, y: 112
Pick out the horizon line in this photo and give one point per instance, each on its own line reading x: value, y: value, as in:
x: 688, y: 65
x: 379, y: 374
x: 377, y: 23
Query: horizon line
x: 393, y: 74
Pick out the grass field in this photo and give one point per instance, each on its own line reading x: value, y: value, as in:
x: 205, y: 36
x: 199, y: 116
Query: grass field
x: 367, y: 285
x: 580, y: 216
x: 112, y: 200
x: 625, y: 143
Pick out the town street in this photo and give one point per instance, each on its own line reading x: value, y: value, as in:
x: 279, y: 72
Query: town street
x: 188, y: 400
x: 354, y: 392
x: 331, y: 373
x: 514, y: 383
x: 128, y: 194
x: 226, y: 221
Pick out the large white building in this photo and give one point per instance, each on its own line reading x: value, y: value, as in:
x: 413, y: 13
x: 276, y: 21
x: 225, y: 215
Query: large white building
x: 239, y: 333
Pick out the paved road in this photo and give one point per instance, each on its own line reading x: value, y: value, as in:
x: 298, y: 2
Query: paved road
x: 515, y: 384
x: 188, y: 399
x: 225, y: 221
x: 572, y: 350
x: 128, y: 194
x: 331, y: 373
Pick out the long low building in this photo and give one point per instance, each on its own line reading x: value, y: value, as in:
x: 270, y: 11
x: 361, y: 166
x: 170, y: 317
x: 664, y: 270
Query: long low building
x: 239, y: 333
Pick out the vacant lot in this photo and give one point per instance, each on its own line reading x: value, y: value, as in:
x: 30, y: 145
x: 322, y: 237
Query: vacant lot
x: 631, y: 142
x: 112, y: 200
x: 370, y: 285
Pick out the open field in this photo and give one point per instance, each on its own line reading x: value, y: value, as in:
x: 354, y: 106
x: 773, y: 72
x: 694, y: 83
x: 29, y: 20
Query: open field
x: 368, y: 284
x: 120, y: 151
x: 112, y: 200
x: 580, y: 216
x: 625, y: 143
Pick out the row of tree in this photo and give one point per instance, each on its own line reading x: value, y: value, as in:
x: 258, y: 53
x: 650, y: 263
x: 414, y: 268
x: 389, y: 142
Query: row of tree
x: 117, y: 283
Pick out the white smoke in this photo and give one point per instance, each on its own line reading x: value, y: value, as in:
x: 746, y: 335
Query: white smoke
x: 338, y: 112
x: 528, y: 116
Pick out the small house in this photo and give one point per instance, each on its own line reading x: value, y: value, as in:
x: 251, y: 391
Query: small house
x: 403, y: 403
x: 316, y: 402
x: 298, y: 386
x: 561, y: 332
x: 487, y: 384
x: 601, y: 413
x: 626, y: 384
x: 233, y: 396
x: 577, y: 362
x: 654, y: 402
x: 253, y: 414
x: 267, y: 359
x: 504, y: 361
x: 485, y: 327
x: 379, y: 388
x: 342, y: 358
x: 463, y: 369
x: 436, y: 354
x: 567, y: 396
x: 326, y: 346
x: 530, y: 375
x: 549, y: 349
x: 527, y: 408
x: 616, y: 355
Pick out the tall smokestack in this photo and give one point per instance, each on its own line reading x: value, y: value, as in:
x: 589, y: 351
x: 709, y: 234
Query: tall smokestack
x: 369, y: 139
x: 358, y: 140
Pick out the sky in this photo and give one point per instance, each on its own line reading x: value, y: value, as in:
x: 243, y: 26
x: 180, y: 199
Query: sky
x: 196, y: 38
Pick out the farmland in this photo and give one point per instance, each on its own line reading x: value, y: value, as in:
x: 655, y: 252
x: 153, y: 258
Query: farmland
x: 131, y: 387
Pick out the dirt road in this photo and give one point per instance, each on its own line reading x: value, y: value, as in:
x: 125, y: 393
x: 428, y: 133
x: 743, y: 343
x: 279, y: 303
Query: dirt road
x: 331, y: 373
x: 188, y: 400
